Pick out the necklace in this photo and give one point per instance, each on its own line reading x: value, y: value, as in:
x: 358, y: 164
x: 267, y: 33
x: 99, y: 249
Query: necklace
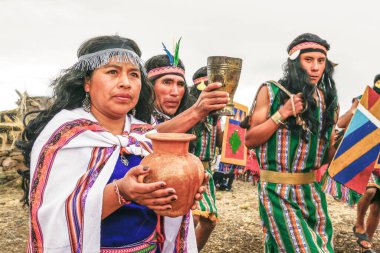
x: 124, y: 159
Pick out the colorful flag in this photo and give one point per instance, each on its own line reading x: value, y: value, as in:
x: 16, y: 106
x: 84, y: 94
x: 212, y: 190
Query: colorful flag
x: 359, y: 150
x: 234, y: 150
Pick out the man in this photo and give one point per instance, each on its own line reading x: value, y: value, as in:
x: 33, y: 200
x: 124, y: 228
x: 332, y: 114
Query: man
x: 292, y: 135
x: 371, y: 197
x: 170, y: 87
x: 174, y: 111
x: 174, y: 108
x: 209, y: 136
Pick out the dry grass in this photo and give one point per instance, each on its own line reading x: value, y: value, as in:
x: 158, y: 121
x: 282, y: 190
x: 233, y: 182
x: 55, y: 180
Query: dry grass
x: 238, y: 231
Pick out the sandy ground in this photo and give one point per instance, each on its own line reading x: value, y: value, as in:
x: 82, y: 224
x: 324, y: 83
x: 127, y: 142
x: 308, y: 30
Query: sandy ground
x: 238, y: 231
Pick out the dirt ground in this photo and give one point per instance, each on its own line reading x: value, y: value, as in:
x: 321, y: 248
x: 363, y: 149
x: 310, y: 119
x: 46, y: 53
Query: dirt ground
x: 238, y: 231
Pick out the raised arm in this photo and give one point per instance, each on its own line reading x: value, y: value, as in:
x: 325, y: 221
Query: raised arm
x: 345, y: 119
x: 262, y: 127
x: 208, y: 101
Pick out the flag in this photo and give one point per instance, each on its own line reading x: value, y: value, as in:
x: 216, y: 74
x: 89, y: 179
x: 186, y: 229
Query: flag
x: 234, y: 150
x: 359, y: 150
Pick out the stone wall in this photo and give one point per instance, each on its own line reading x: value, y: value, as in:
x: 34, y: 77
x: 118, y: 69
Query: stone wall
x: 10, y: 162
x: 11, y: 127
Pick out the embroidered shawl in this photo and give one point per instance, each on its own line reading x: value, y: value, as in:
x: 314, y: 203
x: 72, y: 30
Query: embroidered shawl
x: 71, y: 161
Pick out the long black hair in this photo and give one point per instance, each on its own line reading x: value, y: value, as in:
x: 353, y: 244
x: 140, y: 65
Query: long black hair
x: 296, y: 80
x: 68, y: 91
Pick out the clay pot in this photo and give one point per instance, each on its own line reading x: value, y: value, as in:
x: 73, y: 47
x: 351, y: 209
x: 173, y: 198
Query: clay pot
x: 172, y: 163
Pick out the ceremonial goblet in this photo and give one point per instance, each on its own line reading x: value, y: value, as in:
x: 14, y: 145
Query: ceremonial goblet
x: 225, y: 70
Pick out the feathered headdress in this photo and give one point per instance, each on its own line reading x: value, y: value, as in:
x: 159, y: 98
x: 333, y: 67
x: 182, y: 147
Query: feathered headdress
x: 162, y: 67
x: 173, y: 59
x: 97, y: 59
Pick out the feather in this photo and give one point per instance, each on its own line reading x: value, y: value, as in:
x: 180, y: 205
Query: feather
x: 170, y: 56
x: 176, y: 57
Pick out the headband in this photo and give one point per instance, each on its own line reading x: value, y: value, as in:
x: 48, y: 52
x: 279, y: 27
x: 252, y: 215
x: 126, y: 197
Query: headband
x: 200, y: 79
x: 200, y: 82
x: 97, y: 59
x: 306, y: 47
x: 166, y: 70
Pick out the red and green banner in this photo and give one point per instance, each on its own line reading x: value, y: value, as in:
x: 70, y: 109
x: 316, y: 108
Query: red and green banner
x: 233, y: 149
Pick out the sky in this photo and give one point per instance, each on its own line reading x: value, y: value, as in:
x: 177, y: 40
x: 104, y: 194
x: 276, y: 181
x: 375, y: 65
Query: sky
x: 39, y: 38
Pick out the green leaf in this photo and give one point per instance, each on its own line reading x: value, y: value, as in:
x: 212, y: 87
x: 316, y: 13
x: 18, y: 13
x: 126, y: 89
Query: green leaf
x: 235, y: 141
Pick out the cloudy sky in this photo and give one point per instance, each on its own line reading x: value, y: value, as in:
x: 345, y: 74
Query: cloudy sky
x: 40, y: 37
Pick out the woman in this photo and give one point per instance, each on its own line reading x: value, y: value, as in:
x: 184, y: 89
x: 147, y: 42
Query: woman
x: 84, y: 194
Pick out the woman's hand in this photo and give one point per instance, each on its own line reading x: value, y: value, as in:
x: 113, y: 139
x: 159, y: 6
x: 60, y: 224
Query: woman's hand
x: 201, y: 190
x: 288, y: 110
x: 153, y: 195
x: 210, y: 100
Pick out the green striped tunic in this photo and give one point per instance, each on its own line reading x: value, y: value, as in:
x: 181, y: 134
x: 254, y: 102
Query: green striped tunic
x: 294, y: 217
x: 206, y: 207
x: 206, y: 140
x: 205, y: 150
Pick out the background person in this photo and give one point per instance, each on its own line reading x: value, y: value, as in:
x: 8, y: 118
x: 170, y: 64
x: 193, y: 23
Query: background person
x: 365, y: 230
x: 209, y: 137
x: 177, y: 111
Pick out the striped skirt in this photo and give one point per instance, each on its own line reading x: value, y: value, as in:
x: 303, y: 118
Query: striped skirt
x: 206, y: 207
x: 295, y: 218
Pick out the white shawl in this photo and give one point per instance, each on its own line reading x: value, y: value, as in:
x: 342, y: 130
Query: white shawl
x: 66, y: 162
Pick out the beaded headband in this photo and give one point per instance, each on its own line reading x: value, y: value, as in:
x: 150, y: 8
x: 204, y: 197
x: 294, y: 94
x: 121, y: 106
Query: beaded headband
x: 165, y: 71
x: 95, y: 60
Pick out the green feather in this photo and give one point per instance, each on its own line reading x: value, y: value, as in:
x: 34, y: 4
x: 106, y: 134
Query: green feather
x: 176, y: 57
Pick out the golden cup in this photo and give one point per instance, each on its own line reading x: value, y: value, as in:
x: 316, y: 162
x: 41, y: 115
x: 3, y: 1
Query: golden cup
x: 225, y: 70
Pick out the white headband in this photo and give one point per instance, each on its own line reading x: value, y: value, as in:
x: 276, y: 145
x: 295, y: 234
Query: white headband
x: 95, y: 60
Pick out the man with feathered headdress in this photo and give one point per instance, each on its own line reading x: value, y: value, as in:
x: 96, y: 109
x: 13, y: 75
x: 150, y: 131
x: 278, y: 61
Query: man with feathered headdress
x: 209, y: 136
x: 175, y: 110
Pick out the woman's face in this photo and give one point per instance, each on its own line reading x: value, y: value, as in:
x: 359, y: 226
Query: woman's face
x: 114, y: 89
x: 314, y: 63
